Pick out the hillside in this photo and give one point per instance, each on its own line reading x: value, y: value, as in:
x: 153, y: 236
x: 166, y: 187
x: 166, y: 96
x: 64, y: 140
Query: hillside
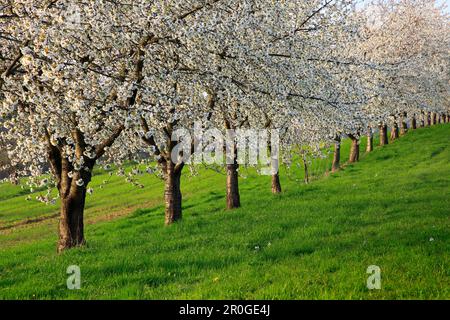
x: 312, y: 242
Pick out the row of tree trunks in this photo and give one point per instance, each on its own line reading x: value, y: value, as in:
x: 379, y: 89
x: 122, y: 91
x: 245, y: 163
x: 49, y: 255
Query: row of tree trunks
x: 73, y: 196
x: 173, y: 195
x: 443, y: 118
x: 433, y: 118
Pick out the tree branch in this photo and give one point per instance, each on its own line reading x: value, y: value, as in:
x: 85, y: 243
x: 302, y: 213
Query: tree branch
x: 100, y: 149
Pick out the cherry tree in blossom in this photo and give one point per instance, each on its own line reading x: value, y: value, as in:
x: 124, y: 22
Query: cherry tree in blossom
x: 57, y: 111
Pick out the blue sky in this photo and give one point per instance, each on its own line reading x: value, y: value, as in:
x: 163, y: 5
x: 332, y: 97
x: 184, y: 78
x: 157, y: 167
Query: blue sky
x: 446, y: 2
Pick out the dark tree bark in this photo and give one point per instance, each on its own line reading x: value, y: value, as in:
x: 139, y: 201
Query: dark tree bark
x: 354, y: 150
x: 72, y: 189
x: 72, y: 195
x: 394, y: 131
x: 71, y: 192
x: 413, y: 122
x: 71, y: 220
x: 276, y: 185
x: 173, y: 197
x: 233, y: 197
x: 433, y: 118
x: 337, y: 155
x: 383, y: 135
x: 428, y: 119
x: 172, y: 192
x: 172, y: 173
x: 369, y: 147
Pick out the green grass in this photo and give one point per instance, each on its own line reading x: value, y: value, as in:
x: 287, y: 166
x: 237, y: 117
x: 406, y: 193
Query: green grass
x: 311, y: 242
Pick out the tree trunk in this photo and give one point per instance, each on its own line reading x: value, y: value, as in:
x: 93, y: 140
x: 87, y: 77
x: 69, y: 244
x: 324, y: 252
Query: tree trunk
x: 71, y: 226
x: 337, y: 155
x: 354, y: 151
x: 403, y: 125
x: 421, y: 123
x: 276, y: 186
x: 433, y: 118
x: 383, y: 135
x: 369, y: 140
x: 428, y: 119
x: 172, y: 192
x: 413, y: 123
x: 73, y: 198
x: 233, y: 197
x: 72, y: 189
x: 394, y: 131
x: 275, y: 166
x: 305, y: 167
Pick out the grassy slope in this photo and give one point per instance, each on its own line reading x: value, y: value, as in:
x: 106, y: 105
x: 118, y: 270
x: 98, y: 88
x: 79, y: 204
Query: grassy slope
x: 312, y: 241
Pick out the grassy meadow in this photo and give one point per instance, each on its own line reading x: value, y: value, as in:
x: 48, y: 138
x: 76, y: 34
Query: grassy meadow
x: 315, y: 241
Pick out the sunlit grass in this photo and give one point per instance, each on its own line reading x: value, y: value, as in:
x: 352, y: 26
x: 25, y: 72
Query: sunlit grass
x: 313, y: 241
